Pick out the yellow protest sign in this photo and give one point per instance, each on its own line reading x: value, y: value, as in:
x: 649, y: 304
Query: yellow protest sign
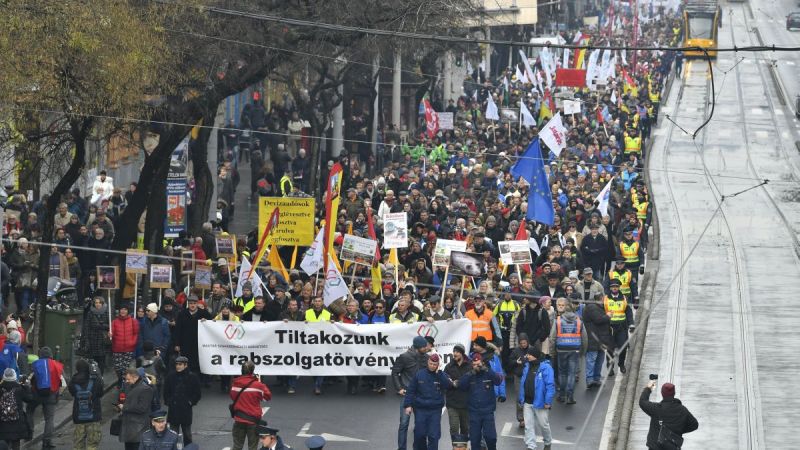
x: 296, y: 221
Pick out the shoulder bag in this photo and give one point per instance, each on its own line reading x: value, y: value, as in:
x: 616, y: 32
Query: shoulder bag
x: 668, y: 439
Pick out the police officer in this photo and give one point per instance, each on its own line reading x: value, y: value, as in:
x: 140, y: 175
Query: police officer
x: 425, y: 396
x: 631, y: 252
x: 504, y: 311
x: 480, y: 383
x: 618, y: 310
x: 627, y: 283
x: 269, y: 439
x: 159, y: 437
x: 315, y: 443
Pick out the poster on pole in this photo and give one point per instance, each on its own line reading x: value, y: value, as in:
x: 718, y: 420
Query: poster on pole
x: 226, y: 246
x: 161, y: 276
x: 509, y: 115
x: 445, y: 121
x: 202, y: 276
x: 107, y: 277
x: 318, y: 348
x: 441, y: 253
x: 395, y: 230
x: 515, y: 252
x: 175, y: 220
x: 187, y: 262
x: 572, y: 107
x: 296, y: 224
x: 135, y: 261
x: 467, y: 264
x: 358, y: 250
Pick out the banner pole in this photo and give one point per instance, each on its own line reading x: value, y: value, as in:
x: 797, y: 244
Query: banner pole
x: 444, y: 280
x: 353, y: 277
x: 135, y: 291
x: 230, y: 283
x: 316, y: 283
x: 519, y: 274
x: 110, y: 307
x: 160, y: 291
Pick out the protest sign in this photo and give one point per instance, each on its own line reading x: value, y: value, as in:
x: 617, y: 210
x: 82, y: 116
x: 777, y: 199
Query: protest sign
x: 161, y: 276
x: 441, y: 253
x: 395, y: 230
x: 202, y: 276
x: 296, y: 224
x: 515, y: 252
x: 445, y: 120
x: 319, y: 348
x: 187, y: 262
x: 358, y: 250
x: 226, y: 246
x: 467, y: 264
x: 107, y: 277
x: 135, y: 261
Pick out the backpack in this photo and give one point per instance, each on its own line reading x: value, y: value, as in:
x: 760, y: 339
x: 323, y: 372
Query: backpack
x: 84, y: 399
x: 9, y: 409
x: 8, y: 359
x: 41, y: 372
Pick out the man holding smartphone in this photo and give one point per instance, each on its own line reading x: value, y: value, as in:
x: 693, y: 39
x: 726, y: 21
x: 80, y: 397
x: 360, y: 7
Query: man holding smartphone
x: 669, y: 419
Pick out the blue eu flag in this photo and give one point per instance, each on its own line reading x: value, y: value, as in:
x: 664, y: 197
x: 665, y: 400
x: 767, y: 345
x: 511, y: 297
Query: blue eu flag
x: 531, y: 168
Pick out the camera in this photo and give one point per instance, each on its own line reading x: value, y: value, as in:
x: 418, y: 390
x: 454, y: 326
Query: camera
x: 653, y: 376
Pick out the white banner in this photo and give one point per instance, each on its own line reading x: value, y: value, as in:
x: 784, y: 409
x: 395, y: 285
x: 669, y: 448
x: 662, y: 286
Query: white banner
x: 319, y: 348
x: 515, y: 252
x: 441, y: 253
x: 395, y: 230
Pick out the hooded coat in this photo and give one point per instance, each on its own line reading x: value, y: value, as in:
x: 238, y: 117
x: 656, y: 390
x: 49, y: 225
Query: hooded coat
x: 671, y: 411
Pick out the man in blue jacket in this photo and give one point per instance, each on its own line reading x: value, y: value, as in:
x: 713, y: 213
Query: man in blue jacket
x: 154, y: 328
x: 536, y: 392
x: 480, y: 383
x: 425, y: 396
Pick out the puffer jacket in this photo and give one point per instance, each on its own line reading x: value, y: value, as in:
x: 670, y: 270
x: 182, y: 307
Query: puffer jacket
x: 124, y: 334
x: 544, y: 387
x: 671, y: 411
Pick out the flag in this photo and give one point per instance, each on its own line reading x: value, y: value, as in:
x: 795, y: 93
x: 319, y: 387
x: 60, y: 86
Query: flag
x: 523, y: 236
x: 603, y: 198
x: 262, y: 243
x: 579, y: 58
x: 312, y: 260
x: 332, y: 198
x: 521, y: 77
x: 554, y: 135
x: 377, y: 276
x: 546, y: 110
x: 395, y: 261
x: 593, y: 68
x: 527, y: 65
x: 247, y: 274
x: 335, y: 286
x: 431, y: 119
x: 294, y: 259
x: 614, y: 96
x: 530, y: 167
x: 565, y: 61
x: 275, y: 261
x: 527, y: 117
x: 491, y: 109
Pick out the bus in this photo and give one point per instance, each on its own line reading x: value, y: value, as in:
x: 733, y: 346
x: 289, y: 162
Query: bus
x: 701, y: 21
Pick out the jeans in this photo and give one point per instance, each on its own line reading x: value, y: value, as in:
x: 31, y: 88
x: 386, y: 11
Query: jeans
x: 459, y: 421
x: 536, y: 420
x: 567, y: 368
x: 48, y: 410
x: 427, y: 428
x: 24, y: 299
x: 402, y: 431
x: 594, y: 365
x: 481, y: 426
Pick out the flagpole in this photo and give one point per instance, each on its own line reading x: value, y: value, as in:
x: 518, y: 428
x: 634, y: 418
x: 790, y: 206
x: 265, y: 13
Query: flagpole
x: 316, y: 283
x: 444, y: 281
x: 230, y: 283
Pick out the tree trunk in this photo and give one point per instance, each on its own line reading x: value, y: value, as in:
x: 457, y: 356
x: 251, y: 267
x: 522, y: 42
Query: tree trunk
x: 79, y: 130
x: 203, y: 181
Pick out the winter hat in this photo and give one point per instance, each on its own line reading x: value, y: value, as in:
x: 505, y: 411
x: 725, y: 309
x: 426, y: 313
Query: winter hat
x: 12, y: 325
x: 523, y: 337
x: 9, y: 375
x: 419, y: 342
x: 434, y: 358
x: 14, y: 337
x: 45, y: 352
x: 543, y: 299
x: 480, y: 341
x: 152, y: 307
x: 460, y: 349
x: 667, y: 390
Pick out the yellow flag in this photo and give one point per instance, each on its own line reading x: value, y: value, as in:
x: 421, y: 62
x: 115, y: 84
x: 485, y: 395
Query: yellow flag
x: 377, y: 277
x: 395, y: 261
x: 294, y: 258
x: 274, y: 260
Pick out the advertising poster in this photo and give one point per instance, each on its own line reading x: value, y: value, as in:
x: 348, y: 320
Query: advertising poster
x: 175, y: 220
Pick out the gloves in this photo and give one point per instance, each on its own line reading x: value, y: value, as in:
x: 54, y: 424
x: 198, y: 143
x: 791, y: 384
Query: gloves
x: 501, y: 399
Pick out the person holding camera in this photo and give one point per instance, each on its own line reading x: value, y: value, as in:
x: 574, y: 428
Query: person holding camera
x: 669, y: 419
x: 247, y: 393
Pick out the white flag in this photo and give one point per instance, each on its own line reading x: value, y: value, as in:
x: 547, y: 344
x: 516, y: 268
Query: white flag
x: 312, y: 260
x: 545, y: 58
x: 605, y: 66
x: 335, y: 286
x: 565, y: 62
x: 603, y: 197
x: 527, y: 117
x: 528, y: 70
x: 614, y: 96
x: 491, y: 110
x: 520, y: 76
x: 254, y: 279
x: 592, y: 68
x: 505, y: 84
x: 554, y: 135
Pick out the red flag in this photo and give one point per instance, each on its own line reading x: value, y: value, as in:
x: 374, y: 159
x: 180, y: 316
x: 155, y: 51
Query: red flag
x: 431, y: 119
x: 371, y: 233
x: 271, y: 223
x: 571, y: 77
x: 599, y: 115
x: 523, y: 236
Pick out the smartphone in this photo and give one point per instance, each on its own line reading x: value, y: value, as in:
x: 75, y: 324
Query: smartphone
x: 653, y: 376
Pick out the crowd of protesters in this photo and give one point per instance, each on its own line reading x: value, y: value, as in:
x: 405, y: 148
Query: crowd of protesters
x: 542, y: 324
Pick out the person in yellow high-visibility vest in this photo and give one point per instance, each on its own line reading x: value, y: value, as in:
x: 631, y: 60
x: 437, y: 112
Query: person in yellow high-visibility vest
x: 628, y: 285
x: 631, y: 252
x: 286, y: 184
x: 633, y: 143
x: 621, y: 318
x: 318, y: 313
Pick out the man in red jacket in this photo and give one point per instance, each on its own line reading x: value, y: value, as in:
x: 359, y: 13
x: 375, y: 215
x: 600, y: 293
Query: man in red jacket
x: 247, y: 393
x: 124, y: 335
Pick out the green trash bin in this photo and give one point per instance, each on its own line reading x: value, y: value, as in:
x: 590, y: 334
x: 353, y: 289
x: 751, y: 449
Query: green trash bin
x: 61, y: 331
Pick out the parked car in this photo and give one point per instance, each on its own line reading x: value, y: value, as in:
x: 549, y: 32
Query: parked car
x: 793, y: 20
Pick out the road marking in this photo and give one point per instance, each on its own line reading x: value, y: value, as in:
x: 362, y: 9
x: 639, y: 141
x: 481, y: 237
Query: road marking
x: 328, y: 437
x: 506, y: 432
x: 789, y: 63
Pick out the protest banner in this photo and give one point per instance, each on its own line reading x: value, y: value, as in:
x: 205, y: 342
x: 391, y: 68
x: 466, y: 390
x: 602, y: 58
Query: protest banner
x: 509, y: 115
x: 395, y: 230
x: 296, y: 225
x: 161, y: 276
x: 135, y: 261
x: 202, y: 276
x: 515, y: 252
x: 226, y: 246
x: 358, y: 250
x: 441, y: 253
x: 445, y: 120
x: 319, y: 348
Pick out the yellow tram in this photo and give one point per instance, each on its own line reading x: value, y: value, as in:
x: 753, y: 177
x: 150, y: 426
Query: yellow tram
x: 701, y: 22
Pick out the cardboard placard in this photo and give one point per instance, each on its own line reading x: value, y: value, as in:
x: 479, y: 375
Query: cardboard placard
x: 187, y: 262
x: 467, y: 264
x: 395, y: 230
x: 358, y: 250
x: 296, y: 223
x: 515, y: 252
x: 202, y: 276
x: 441, y: 253
x: 161, y: 276
x: 226, y: 246
x: 135, y: 261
